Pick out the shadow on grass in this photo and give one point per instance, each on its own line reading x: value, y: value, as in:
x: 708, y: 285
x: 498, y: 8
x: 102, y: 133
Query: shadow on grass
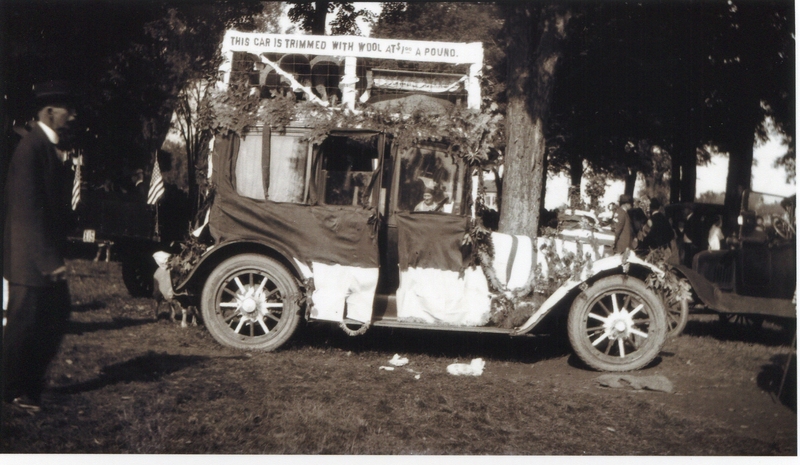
x: 769, y: 334
x: 771, y: 376
x: 450, y: 344
x: 88, y: 306
x: 78, y: 328
x: 146, y: 368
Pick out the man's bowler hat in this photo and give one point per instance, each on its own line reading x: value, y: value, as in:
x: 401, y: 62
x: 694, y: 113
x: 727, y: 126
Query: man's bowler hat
x: 624, y: 198
x: 52, y: 93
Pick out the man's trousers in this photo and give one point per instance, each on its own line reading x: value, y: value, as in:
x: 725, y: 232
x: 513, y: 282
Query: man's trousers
x: 37, y: 319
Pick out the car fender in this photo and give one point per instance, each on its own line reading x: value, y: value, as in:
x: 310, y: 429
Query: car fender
x: 599, y: 268
x: 217, y: 253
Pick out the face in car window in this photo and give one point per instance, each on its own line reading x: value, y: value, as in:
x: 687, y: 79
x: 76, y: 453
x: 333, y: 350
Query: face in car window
x: 429, y: 181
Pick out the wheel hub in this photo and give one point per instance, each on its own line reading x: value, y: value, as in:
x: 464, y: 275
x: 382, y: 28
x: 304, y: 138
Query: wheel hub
x: 619, y: 325
x: 248, y: 305
x: 252, y: 303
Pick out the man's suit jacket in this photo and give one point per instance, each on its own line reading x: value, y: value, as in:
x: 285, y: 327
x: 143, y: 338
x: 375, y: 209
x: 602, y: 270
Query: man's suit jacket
x: 623, y: 233
x: 660, y: 233
x: 37, y: 211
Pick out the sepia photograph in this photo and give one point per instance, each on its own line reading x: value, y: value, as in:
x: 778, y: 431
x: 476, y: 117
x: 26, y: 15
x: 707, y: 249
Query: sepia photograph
x: 390, y: 231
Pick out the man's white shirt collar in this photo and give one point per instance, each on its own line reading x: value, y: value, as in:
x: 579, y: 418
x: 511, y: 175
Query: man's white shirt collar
x: 53, y: 137
x: 49, y: 132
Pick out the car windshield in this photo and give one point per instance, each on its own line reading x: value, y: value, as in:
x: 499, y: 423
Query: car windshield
x: 576, y: 222
x: 766, y: 206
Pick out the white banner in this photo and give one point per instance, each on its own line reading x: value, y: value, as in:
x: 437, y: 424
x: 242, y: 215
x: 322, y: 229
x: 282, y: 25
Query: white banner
x: 417, y: 83
x: 354, y: 46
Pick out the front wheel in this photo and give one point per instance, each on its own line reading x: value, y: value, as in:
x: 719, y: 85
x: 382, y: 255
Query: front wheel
x: 250, y: 302
x: 617, y: 324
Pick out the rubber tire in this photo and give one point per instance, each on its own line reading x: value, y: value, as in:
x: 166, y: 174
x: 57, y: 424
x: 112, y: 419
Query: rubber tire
x: 578, y: 317
x: 278, y: 274
x: 138, y: 267
x: 682, y: 310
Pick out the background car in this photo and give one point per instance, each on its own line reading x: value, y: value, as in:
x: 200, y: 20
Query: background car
x: 582, y: 225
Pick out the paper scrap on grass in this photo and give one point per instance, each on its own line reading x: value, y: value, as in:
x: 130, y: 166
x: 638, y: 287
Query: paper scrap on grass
x: 650, y: 383
x: 398, y: 361
x: 474, y: 368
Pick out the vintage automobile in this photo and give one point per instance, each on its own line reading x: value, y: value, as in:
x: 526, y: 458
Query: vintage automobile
x: 362, y: 228
x: 755, y: 278
x: 581, y: 225
x: 341, y: 232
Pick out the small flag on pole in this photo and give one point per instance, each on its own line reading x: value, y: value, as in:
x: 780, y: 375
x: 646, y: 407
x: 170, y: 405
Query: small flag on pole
x: 76, y: 184
x: 156, y: 185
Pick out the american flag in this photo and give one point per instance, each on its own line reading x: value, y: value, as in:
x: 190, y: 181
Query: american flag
x: 156, y: 185
x: 76, y: 184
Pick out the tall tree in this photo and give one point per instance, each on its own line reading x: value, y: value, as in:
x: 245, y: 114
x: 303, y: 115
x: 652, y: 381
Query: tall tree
x: 313, y: 17
x: 752, y: 66
x: 535, y: 35
x: 128, y: 61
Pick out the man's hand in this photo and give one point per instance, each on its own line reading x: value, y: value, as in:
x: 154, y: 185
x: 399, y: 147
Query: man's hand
x: 60, y: 274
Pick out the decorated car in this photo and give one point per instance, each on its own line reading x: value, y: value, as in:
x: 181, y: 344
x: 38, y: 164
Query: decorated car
x: 362, y: 226
x: 583, y: 226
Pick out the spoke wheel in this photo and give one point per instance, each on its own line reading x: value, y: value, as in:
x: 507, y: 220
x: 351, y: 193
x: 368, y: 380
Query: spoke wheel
x: 250, y: 302
x: 677, y: 315
x: 617, y: 324
x: 740, y: 321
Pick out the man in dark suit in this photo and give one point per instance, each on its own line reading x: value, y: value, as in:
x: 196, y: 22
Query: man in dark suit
x: 623, y: 231
x: 661, y: 232
x: 37, y: 211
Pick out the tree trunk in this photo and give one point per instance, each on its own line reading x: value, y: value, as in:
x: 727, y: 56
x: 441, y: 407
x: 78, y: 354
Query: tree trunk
x: 630, y: 181
x: 689, y: 178
x: 531, y: 79
x: 675, y: 181
x: 320, y: 15
x: 740, y: 168
x: 575, y: 176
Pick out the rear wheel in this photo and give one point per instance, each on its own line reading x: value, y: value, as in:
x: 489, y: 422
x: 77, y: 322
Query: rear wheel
x: 677, y: 315
x: 138, y: 267
x: 250, y: 302
x: 617, y: 324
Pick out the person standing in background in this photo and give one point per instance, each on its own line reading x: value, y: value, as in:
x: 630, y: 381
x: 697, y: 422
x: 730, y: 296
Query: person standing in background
x: 715, y: 236
x: 37, y: 206
x: 623, y: 230
x: 660, y: 233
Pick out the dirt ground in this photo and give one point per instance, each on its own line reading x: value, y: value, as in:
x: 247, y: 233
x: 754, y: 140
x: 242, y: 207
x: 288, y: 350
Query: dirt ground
x: 125, y: 382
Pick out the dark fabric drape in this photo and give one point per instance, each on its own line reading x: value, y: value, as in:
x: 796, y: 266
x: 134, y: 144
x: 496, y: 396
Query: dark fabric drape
x: 313, y: 233
x: 431, y: 240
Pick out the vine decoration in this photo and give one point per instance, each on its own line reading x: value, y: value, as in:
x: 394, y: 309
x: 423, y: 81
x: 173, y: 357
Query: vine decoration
x: 182, y: 264
x: 469, y: 134
x: 672, y: 288
x: 192, y: 247
x: 512, y: 307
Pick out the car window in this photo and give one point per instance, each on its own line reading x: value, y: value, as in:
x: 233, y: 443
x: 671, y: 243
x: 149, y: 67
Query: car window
x: 348, y: 164
x: 429, y: 181
x: 248, y: 171
x: 287, y: 168
x: 288, y: 159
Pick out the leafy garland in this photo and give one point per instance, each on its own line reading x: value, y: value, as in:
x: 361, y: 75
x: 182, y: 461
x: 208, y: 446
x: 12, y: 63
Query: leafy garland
x: 466, y: 133
x: 512, y: 307
x: 181, y: 264
x: 669, y: 285
x: 192, y: 247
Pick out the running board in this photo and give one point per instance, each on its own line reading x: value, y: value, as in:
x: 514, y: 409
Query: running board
x: 394, y: 323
